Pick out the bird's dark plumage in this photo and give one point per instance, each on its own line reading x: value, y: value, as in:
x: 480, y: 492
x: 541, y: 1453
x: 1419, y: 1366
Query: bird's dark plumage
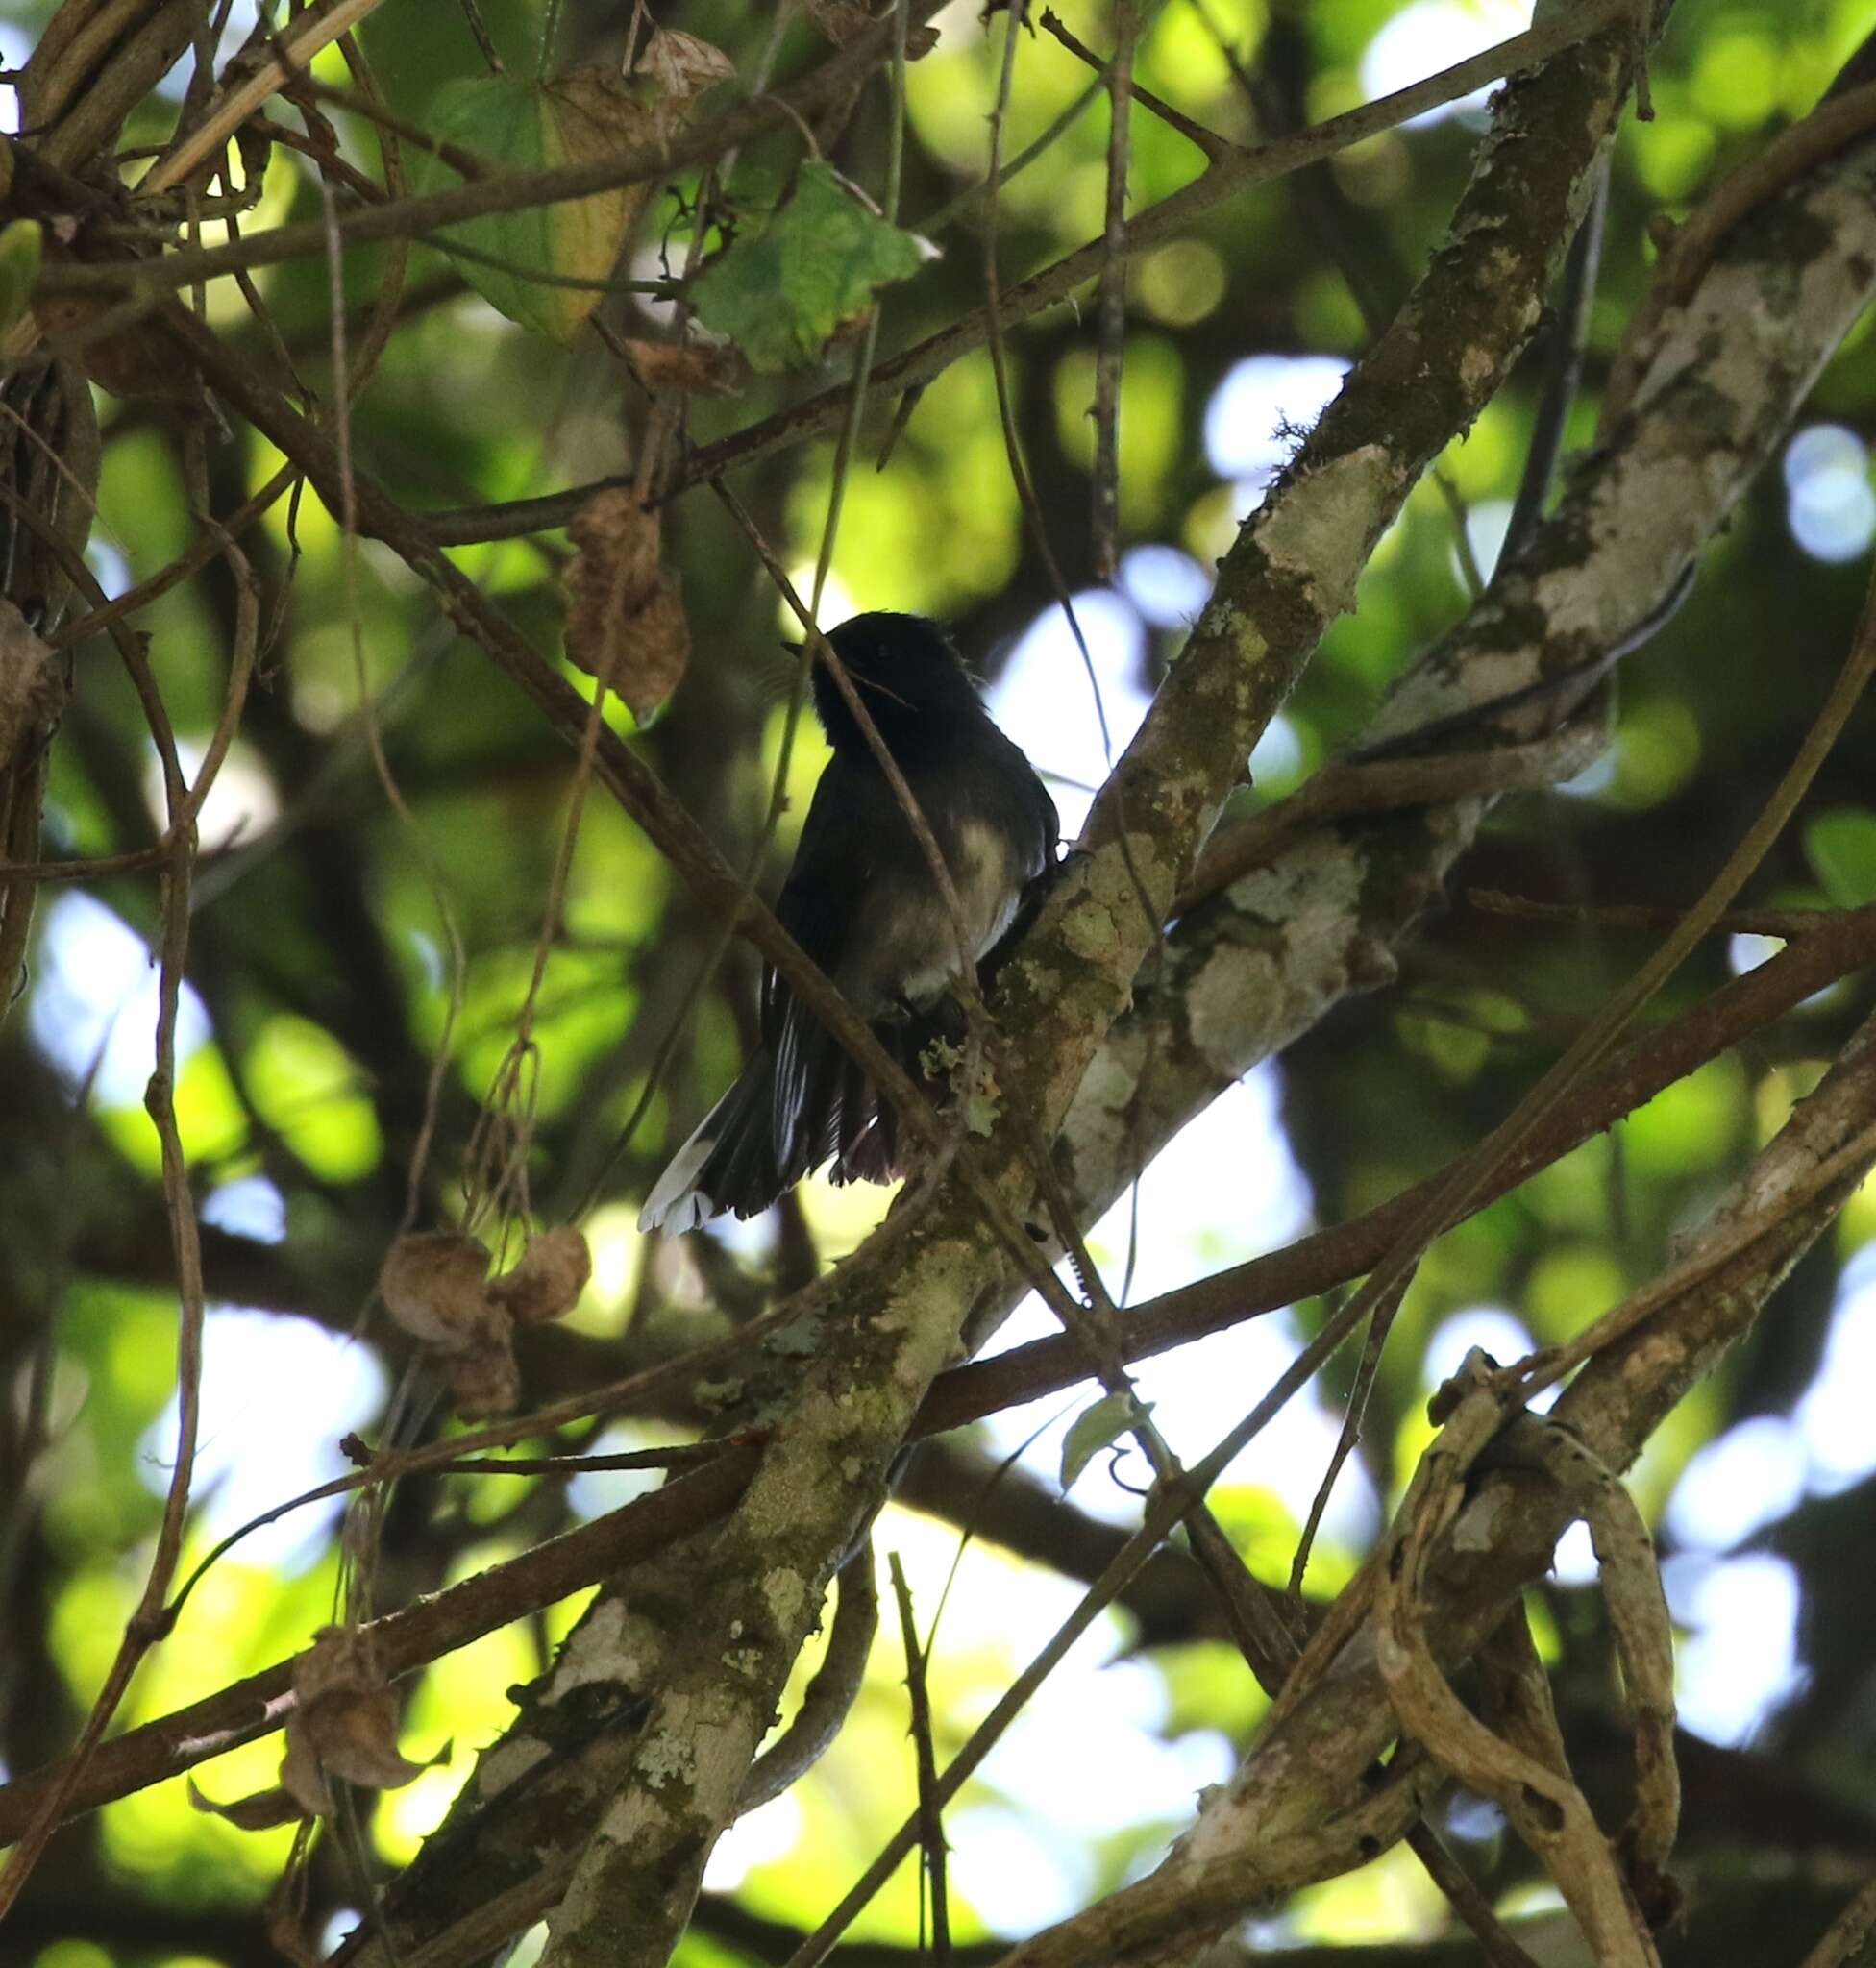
x: 861, y: 901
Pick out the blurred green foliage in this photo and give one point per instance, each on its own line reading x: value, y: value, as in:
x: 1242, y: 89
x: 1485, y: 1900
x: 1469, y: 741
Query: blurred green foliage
x: 327, y: 911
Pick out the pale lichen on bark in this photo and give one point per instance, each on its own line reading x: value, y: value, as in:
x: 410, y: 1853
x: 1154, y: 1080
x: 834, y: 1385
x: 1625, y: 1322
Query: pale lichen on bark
x: 1722, y: 389
x: 823, y: 1467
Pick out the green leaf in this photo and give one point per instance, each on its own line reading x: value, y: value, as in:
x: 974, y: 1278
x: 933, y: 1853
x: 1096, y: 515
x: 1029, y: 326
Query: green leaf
x: 20, y: 268
x: 780, y: 295
x: 1841, y: 850
x: 528, y: 126
x: 1095, y: 1428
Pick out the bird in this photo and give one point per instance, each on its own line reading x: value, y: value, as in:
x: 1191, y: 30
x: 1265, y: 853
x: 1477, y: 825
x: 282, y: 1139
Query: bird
x: 861, y: 900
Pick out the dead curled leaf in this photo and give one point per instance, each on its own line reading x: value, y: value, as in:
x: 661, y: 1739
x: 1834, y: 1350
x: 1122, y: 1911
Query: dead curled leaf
x: 30, y: 686
x: 695, y: 367
x: 259, y: 1812
x: 485, y: 1382
x: 681, y: 65
x: 432, y: 1283
x: 625, y: 615
x: 344, y: 1722
x: 842, y: 21
x: 435, y: 1285
x: 286, y: 1930
x: 547, y: 1281
x: 132, y: 361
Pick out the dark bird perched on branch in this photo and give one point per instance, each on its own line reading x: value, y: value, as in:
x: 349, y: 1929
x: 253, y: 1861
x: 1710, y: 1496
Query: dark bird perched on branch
x: 861, y: 901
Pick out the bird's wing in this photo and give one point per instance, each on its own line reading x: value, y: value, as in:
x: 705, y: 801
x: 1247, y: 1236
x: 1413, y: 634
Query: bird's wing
x: 816, y: 906
x: 1049, y: 822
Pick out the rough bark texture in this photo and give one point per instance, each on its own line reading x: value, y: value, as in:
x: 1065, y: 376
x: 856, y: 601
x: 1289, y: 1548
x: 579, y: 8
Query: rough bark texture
x: 1302, y: 1806
x: 755, y: 1593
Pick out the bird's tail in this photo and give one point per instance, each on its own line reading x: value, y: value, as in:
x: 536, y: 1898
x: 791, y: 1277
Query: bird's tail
x: 867, y: 1138
x: 729, y: 1162
x: 746, y: 1152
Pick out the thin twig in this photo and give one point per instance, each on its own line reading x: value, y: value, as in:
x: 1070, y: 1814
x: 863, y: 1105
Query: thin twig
x: 1168, y: 219
x: 931, y: 1813
x: 471, y: 12
x: 1025, y: 491
x: 1209, y: 141
x: 424, y: 213
x: 820, y: 414
x: 287, y: 56
x: 1165, y: 1507
x: 1568, y: 339
x: 1460, y: 1189
x: 1314, y: 1264
x: 1111, y: 308
x: 465, y: 163
x: 147, y: 1624
x: 1380, y: 1322
x: 1775, y: 922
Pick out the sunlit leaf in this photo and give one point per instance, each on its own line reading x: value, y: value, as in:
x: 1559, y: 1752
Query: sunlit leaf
x: 782, y: 295
x: 525, y: 126
x: 1842, y: 848
x: 1095, y: 1428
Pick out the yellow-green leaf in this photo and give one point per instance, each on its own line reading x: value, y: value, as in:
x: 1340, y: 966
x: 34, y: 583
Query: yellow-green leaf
x: 524, y: 126
x: 1098, y: 1427
x: 1841, y: 846
x: 20, y: 268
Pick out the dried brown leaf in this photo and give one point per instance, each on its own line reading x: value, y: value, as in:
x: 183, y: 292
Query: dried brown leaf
x: 356, y: 1740
x: 485, y: 1382
x: 287, y: 1931
x: 128, y: 362
x: 657, y: 648
x: 597, y: 112
x: 695, y: 367
x: 845, y: 20
x: 682, y: 65
x: 259, y: 1812
x: 547, y: 1281
x: 344, y: 1721
x: 625, y: 616
x: 431, y: 1282
x: 300, y: 1774
x: 618, y: 542
x: 29, y: 689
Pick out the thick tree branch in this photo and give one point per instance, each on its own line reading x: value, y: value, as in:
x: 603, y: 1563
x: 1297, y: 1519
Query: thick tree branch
x: 406, y: 1640
x: 1282, y: 1821
x: 1292, y: 569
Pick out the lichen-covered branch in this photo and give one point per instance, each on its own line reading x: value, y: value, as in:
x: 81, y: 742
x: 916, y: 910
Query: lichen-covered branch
x: 1724, y: 385
x: 1301, y: 1799
x: 1263, y: 961
x: 1294, y: 567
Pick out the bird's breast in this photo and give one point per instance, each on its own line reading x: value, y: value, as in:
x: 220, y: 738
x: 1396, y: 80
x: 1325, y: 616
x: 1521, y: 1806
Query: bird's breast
x: 907, y: 946
x: 988, y: 882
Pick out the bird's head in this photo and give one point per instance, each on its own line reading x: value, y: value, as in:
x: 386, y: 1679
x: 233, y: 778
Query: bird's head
x: 908, y: 675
